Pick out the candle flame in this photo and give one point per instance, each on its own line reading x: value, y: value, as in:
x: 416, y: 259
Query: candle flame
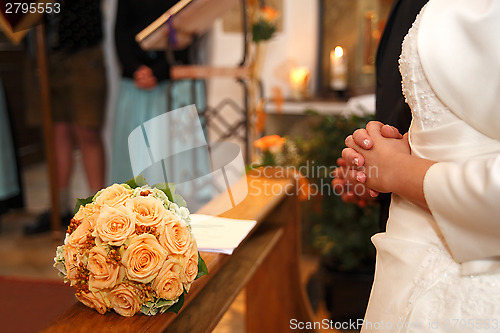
x: 299, y: 75
x: 339, y: 51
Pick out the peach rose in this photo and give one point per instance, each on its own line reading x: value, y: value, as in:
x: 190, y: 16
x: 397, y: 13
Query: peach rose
x: 189, y: 265
x: 71, y: 261
x: 80, y: 214
x: 80, y: 236
x: 104, y: 273
x: 177, y: 237
x: 115, y: 224
x: 124, y: 299
x: 114, y: 195
x: 143, y: 258
x: 170, y: 216
x: 85, y: 211
x: 92, y: 219
x: 168, y: 283
x: 95, y: 300
x: 149, y: 212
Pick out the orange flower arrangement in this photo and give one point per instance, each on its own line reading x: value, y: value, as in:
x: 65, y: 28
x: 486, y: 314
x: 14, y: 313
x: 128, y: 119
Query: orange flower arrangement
x: 264, y: 25
x: 272, y: 155
x: 270, y: 142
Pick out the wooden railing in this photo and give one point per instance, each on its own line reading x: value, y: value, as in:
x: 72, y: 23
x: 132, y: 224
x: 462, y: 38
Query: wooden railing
x: 266, y: 264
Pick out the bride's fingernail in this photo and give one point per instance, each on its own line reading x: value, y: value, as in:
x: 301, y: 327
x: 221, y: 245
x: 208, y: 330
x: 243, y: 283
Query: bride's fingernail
x: 366, y: 143
x: 356, y: 161
x: 373, y: 193
x: 361, y: 177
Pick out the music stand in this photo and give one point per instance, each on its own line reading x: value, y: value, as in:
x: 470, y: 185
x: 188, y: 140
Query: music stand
x: 196, y: 17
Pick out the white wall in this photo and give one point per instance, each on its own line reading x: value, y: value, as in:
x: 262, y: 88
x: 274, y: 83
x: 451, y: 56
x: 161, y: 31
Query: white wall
x: 295, y: 45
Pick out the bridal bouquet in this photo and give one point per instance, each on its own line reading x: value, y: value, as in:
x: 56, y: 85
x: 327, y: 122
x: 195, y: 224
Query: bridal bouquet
x: 129, y: 248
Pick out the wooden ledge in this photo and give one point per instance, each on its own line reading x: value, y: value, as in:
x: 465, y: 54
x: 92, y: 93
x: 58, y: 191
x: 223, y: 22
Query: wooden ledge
x: 207, y: 72
x: 266, y: 263
x: 216, y: 297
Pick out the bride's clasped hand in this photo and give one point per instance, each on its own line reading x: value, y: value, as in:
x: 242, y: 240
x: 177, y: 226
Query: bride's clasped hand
x: 380, y: 158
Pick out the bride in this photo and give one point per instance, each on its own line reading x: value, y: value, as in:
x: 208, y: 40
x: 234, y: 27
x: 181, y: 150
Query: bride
x: 438, y: 263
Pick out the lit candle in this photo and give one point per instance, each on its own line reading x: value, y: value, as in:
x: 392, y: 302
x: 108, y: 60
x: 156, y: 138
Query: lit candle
x: 338, y: 69
x: 299, y: 80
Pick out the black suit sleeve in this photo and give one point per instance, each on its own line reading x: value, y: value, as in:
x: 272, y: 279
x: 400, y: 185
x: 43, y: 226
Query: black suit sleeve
x: 126, y: 47
x: 391, y: 107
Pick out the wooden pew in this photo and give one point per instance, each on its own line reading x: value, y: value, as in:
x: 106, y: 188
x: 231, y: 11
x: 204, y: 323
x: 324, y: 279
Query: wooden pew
x: 266, y: 264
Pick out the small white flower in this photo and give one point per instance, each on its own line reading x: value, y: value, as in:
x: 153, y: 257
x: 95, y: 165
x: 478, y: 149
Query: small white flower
x: 59, y: 260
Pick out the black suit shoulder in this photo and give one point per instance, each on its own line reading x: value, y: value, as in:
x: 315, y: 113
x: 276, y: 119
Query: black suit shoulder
x: 391, y: 107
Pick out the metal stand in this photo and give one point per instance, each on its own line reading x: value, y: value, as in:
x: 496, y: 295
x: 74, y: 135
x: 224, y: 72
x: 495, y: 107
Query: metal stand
x: 48, y: 128
x: 212, y: 115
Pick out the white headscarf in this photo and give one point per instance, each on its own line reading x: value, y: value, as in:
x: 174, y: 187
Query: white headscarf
x: 459, y: 48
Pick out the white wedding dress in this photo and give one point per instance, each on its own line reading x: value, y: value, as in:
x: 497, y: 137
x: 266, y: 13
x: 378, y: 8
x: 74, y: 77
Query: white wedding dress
x: 418, y: 285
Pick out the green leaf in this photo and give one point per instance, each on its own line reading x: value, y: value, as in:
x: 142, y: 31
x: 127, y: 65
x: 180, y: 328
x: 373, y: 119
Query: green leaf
x: 179, y: 200
x: 202, y: 267
x: 262, y: 30
x: 162, y: 302
x: 168, y: 189
x: 268, y: 158
x: 82, y: 202
x: 137, y: 181
x: 252, y: 166
x: 177, y: 306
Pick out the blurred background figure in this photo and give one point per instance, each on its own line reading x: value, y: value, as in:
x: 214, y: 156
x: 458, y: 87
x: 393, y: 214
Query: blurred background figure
x: 11, y: 195
x: 146, y: 89
x: 78, y: 92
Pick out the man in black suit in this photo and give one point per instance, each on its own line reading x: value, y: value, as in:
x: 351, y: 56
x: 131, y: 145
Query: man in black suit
x: 390, y: 106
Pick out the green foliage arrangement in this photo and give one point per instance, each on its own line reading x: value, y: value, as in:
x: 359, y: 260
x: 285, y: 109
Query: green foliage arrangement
x: 264, y: 25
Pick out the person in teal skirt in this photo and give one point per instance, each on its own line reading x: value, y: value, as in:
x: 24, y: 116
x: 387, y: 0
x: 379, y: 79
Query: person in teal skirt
x: 146, y: 89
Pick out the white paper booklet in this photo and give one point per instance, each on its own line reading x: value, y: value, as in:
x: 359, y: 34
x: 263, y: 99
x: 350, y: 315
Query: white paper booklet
x: 219, y: 234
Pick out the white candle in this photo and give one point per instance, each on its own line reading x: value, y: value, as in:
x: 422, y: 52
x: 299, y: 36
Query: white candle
x: 338, y: 69
x: 299, y: 80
